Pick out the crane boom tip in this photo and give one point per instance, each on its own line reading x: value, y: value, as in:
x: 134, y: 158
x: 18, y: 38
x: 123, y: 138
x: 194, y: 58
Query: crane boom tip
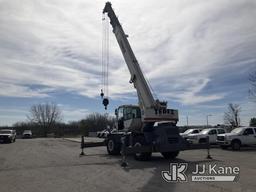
x: 107, y: 7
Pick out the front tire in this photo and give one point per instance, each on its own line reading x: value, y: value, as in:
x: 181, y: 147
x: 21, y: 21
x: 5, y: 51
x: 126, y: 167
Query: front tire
x: 113, y: 147
x: 170, y: 155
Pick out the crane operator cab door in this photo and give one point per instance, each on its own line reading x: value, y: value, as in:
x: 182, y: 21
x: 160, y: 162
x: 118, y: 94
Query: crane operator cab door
x: 120, y: 118
x: 129, y: 118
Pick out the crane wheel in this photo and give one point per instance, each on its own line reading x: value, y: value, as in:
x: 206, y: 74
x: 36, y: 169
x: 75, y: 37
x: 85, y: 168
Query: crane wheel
x: 170, y: 155
x: 145, y: 156
x: 113, y: 147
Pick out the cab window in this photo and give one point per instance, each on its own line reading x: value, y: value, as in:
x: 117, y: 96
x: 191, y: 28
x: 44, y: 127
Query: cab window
x: 221, y: 131
x: 120, y: 113
x: 195, y: 131
x: 131, y: 113
x: 136, y: 113
x: 248, y: 131
x: 212, y: 132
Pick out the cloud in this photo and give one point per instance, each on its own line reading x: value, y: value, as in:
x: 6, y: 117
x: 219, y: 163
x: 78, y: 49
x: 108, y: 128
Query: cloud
x: 192, y: 94
x: 183, y: 47
x: 73, y: 113
x: 12, y: 90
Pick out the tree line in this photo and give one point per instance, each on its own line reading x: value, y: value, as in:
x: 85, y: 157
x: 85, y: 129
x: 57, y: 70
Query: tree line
x: 46, y: 120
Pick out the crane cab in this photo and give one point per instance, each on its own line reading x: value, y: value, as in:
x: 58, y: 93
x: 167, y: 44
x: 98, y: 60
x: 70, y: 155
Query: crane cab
x: 128, y: 118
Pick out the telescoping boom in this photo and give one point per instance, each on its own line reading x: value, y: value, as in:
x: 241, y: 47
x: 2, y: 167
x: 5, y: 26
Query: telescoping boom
x: 152, y: 110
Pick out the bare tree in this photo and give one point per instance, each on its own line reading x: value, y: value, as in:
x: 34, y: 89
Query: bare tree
x: 232, y: 116
x: 253, y: 122
x: 45, y: 115
x: 252, y: 90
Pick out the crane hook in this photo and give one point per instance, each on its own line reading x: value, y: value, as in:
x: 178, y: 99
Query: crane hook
x: 101, y: 93
x: 105, y: 102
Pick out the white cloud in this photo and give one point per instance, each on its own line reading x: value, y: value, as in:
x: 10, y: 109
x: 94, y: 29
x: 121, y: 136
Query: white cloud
x: 182, y: 46
x: 73, y: 113
x: 191, y: 94
x: 12, y: 90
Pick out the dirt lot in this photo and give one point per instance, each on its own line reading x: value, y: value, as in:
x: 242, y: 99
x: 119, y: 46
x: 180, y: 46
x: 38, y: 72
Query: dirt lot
x: 46, y: 165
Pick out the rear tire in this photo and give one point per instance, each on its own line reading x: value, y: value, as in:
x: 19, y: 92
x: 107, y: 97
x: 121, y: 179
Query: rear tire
x: 139, y: 140
x: 113, y: 147
x: 236, y: 145
x: 141, y: 156
x: 170, y: 155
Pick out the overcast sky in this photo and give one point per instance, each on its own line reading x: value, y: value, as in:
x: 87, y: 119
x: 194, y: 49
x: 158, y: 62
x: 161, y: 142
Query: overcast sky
x: 196, y: 54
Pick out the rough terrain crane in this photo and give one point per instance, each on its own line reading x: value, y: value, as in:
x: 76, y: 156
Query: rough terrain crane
x: 150, y: 123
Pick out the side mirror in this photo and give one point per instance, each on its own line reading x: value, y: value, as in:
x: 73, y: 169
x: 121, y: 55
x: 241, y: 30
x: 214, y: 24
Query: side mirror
x: 116, y: 112
x: 245, y: 133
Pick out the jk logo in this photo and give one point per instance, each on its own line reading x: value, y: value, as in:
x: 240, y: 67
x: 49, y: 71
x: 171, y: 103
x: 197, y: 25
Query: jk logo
x: 176, y: 173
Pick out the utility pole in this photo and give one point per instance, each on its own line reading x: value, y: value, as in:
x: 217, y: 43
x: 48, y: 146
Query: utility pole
x: 207, y: 120
x: 187, y: 120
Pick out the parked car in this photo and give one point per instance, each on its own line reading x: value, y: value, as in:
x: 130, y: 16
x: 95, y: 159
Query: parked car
x: 242, y: 136
x: 27, y: 134
x: 7, y: 136
x: 201, y: 137
x: 189, y: 132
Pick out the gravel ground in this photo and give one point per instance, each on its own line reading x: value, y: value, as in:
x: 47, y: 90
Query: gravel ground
x: 54, y: 165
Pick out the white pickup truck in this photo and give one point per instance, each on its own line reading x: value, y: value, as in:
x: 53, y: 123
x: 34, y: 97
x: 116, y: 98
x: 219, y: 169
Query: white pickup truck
x: 242, y: 136
x: 201, y: 137
x: 7, y: 136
